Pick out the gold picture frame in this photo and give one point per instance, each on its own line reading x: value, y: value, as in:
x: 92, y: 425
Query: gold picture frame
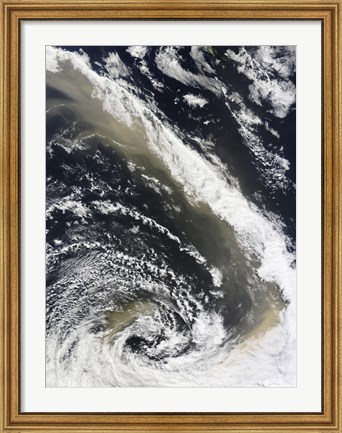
x: 329, y: 13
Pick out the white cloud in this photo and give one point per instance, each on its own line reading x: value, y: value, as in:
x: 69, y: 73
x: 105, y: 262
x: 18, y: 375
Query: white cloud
x: 280, y: 59
x: 216, y: 276
x: 144, y: 69
x: 137, y: 51
x: 269, y: 74
x: 271, y: 130
x: 168, y: 62
x: 51, y: 60
x: 197, y: 54
x: 195, y: 101
x: 271, y: 165
x: 115, y: 66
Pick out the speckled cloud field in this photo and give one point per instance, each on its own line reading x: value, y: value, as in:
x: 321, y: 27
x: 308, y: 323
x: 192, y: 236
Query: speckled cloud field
x: 170, y: 216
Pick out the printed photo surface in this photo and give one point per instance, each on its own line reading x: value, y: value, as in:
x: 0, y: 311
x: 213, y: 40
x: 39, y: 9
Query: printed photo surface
x: 170, y: 216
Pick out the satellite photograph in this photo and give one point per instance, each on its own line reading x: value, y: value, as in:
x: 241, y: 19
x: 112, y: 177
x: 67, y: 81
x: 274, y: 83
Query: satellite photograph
x: 170, y: 216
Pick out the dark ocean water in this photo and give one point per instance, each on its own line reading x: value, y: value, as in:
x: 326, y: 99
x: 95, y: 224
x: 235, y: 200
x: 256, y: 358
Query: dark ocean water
x: 170, y: 216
